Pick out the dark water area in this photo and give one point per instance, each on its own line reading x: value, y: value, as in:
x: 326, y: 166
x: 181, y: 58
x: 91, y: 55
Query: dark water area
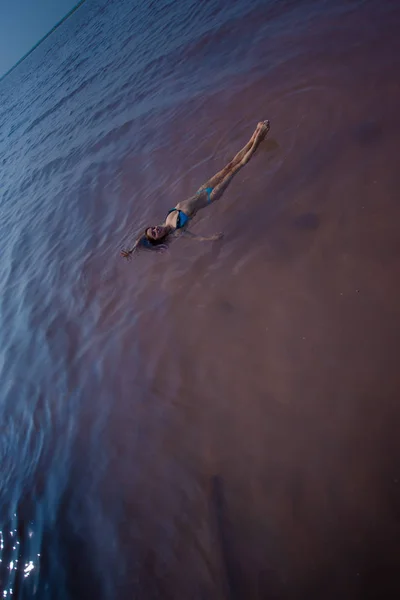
x: 221, y: 420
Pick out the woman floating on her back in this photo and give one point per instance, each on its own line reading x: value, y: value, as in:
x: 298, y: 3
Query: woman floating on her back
x: 179, y: 217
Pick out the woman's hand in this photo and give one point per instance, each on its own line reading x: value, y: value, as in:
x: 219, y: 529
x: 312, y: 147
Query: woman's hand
x: 126, y: 253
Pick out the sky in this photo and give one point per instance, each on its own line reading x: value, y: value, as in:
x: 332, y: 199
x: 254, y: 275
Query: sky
x: 23, y: 23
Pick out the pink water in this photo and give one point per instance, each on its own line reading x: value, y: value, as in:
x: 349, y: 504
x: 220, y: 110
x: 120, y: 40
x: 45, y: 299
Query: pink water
x: 219, y: 421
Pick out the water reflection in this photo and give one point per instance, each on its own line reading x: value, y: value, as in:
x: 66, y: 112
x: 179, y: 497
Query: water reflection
x: 28, y: 568
x: 18, y: 560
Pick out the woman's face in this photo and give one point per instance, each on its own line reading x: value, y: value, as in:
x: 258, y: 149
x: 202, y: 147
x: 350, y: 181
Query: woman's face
x: 156, y: 233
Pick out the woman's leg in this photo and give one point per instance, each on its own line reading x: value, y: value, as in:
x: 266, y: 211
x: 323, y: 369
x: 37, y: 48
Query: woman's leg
x: 261, y: 130
x: 258, y: 136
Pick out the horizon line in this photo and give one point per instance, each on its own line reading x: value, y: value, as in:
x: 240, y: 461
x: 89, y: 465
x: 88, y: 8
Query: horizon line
x: 43, y: 38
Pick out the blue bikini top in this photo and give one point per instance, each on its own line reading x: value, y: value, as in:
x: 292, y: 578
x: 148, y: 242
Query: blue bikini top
x: 182, y: 219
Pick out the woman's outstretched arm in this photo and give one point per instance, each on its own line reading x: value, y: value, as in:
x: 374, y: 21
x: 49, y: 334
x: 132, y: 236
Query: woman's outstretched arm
x: 127, y: 252
x: 202, y: 238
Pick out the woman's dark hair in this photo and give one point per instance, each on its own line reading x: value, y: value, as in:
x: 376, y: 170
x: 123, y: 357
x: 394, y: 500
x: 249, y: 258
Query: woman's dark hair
x: 147, y: 244
x: 150, y: 244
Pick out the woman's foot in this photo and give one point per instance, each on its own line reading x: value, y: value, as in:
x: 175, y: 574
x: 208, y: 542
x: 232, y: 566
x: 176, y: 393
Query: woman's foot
x: 263, y: 127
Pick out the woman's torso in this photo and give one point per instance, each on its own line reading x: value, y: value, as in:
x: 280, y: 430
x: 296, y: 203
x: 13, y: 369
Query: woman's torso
x: 189, y: 207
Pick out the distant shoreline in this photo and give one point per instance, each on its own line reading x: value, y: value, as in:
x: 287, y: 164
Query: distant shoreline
x: 43, y: 38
